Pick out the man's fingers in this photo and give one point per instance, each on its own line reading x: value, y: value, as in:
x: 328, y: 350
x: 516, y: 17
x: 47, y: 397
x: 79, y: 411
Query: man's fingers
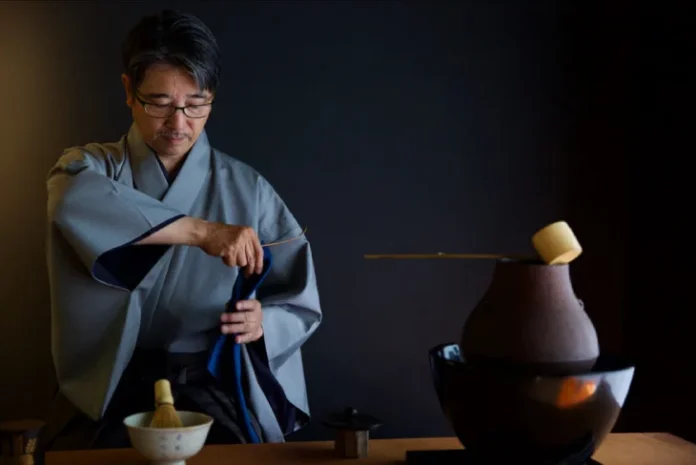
x: 259, y: 256
x: 250, y: 256
x: 244, y: 338
x: 245, y: 322
x: 238, y: 317
x: 245, y: 330
x: 241, y: 257
x: 249, y: 337
x: 236, y: 328
x: 247, y: 305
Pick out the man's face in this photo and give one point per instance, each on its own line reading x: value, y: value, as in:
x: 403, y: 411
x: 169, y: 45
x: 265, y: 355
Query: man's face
x: 164, y: 85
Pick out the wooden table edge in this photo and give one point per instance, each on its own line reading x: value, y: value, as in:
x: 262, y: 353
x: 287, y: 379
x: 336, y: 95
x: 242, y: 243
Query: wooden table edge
x: 382, y: 450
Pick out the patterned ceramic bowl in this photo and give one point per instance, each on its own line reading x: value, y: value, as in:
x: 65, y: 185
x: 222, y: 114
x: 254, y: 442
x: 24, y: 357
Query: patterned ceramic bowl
x: 168, y: 446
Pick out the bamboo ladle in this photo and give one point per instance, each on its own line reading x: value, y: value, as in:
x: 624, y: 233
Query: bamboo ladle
x: 555, y: 243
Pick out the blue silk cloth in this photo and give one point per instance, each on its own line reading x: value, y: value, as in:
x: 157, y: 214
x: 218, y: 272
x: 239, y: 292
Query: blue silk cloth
x: 225, y: 362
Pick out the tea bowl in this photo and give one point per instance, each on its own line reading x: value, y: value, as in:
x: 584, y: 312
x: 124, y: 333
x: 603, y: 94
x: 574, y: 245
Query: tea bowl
x: 168, y: 446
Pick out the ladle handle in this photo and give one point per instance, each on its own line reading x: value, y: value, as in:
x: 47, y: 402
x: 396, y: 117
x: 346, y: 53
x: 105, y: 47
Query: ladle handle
x: 443, y: 256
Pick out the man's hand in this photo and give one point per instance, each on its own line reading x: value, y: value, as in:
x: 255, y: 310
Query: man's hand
x: 236, y: 245
x: 245, y: 321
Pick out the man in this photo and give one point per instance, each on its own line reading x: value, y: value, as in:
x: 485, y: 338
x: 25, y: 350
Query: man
x: 147, y: 237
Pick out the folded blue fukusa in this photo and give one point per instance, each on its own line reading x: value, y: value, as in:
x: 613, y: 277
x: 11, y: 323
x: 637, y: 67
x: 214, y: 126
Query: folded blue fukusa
x: 225, y: 362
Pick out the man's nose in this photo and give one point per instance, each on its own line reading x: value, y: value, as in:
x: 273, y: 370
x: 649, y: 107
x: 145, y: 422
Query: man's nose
x: 177, y: 120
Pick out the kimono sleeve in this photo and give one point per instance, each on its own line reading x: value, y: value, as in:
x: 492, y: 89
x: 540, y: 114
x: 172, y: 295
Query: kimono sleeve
x: 102, y: 219
x: 289, y: 295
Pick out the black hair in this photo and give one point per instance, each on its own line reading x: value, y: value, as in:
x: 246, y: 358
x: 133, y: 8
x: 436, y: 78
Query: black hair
x: 179, y: 39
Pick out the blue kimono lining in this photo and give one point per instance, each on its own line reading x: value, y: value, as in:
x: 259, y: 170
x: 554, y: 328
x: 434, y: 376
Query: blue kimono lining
x: 127, y: 265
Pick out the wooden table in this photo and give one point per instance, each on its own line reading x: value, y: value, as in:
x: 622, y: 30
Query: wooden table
x: 618, y: 449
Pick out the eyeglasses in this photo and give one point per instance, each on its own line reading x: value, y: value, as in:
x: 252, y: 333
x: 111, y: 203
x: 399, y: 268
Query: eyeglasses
x: 165, y: 111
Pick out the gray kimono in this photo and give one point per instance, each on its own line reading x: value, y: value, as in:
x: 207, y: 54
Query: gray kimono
x: 104, y: 197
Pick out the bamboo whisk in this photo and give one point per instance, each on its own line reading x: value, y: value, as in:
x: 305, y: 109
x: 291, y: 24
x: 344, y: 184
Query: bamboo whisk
x: 165, y: 415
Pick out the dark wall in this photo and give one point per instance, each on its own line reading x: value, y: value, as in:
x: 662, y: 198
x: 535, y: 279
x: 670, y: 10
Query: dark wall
x: 634, y: 98
x: 387, y: 127
x: 659, y: 318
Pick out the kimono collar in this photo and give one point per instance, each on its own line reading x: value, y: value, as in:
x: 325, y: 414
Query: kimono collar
x: 150, y: 177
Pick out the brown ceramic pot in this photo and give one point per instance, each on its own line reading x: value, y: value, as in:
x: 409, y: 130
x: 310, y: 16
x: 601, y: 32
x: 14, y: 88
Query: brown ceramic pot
x: 530, y: 320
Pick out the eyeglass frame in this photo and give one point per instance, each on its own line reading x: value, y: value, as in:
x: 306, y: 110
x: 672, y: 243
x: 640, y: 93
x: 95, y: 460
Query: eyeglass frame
x: 174, y: 108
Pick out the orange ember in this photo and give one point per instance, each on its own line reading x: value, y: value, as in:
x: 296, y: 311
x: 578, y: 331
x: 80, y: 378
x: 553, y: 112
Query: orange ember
x: 575, y: 391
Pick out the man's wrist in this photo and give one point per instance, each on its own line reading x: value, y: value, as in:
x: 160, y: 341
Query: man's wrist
x: 194, y: 230
x: 184, y: 231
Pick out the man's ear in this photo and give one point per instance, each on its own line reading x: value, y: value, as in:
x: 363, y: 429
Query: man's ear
x: 130, y: 100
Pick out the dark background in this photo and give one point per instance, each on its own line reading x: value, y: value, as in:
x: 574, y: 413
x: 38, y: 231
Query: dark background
x: 398, y: 127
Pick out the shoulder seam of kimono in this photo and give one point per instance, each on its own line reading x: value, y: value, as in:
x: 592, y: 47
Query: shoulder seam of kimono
x: 108, y: 158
